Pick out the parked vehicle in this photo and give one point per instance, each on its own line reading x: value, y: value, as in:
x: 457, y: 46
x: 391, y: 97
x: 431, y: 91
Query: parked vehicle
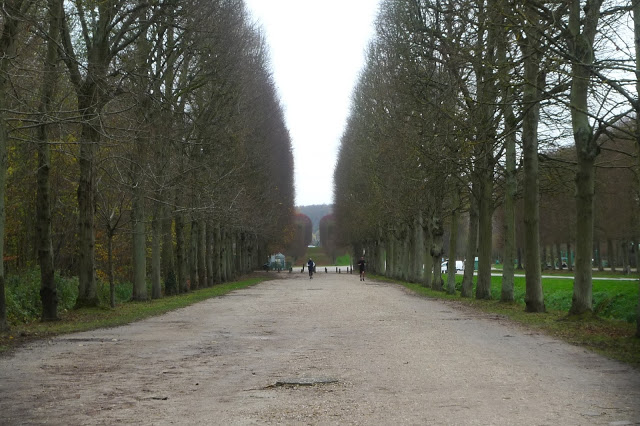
x: 444, y: 267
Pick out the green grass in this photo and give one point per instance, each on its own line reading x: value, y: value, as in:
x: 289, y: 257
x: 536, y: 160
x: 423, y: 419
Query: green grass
x: 607, y: 273
x: 321, y: 259
x: 92, y: 318
x: 610, y: 331
x: 344, y: 260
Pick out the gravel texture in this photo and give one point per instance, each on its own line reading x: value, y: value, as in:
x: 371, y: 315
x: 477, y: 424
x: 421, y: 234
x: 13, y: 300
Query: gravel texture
x: 331, y: 350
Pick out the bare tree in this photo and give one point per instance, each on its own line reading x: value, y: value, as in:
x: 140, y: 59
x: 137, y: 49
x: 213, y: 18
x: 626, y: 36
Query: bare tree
x: 48, y: 291
x: 636, y: 32
x: 11, y: 16
x: 534, y: 84
x: 106, y: 29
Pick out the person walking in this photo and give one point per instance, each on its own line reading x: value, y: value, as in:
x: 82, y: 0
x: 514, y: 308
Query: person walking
x: 361, y: 266
x: 312, y: 268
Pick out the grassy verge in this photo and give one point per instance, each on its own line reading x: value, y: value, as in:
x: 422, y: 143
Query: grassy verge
x: 103, y: 317
x: 608, y: 332
x: 607, y: 273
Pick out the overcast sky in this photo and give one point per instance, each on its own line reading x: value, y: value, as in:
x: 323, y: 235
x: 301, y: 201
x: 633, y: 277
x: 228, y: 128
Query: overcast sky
x: 317, y: 51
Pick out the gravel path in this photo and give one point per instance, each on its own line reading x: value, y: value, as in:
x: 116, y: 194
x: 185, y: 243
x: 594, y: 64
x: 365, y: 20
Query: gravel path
x: 332, y: 350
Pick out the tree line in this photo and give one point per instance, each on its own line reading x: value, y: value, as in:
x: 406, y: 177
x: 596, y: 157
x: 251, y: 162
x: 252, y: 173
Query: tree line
x: 457, y: 112
x: 138, y: 139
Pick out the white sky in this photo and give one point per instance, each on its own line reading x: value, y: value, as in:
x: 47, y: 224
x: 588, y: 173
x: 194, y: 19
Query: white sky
x: 317, y: 51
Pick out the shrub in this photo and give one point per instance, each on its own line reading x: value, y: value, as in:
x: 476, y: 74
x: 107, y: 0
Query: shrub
x: 123, y: 292
x: 23, y: 295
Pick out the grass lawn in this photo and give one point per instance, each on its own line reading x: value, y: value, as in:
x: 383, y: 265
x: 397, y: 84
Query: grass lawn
x: 321, y: 259
x: 607, y: 273
x: 610, y: 331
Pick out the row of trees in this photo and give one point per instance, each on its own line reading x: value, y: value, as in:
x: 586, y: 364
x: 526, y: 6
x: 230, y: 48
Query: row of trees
x: 329, y: 238
x: 134, y: 131
x: 301, y: 236
x: 453, y: 93
x: 616, y: 219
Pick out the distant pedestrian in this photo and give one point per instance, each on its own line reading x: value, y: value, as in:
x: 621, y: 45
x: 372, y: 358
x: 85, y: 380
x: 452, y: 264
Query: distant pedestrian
x: 312, y: 267
x: 361, y: 266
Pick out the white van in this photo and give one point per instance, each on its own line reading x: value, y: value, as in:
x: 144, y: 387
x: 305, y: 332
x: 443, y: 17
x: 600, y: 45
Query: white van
x: 444, y: 268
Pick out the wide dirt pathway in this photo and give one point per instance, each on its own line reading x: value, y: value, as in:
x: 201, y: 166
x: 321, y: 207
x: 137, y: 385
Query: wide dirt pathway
x: 378, y: 355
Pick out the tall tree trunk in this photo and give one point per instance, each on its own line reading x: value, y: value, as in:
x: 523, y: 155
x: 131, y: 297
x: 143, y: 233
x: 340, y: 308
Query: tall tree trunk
x: 453, y: 239
x: 231, y: 255
x: 611, y: 257
x: 202, y: 268
x: 168, y: 255
x: 559, y: 253
x: 406, y: 252
x: 636, y: 252
x: 626, y: 268
x: 381, y: 254
x: 112, y: 283
x: 470, y: 252
x: 485, y: 69
x: 436, y: 252
x: 4, y: 139
x: 89, y: 140
x: 419, y: 248
x: 139, y: 244
x: 569, y: 257
x: 485, y: 215
x: 391, y: 247
x: 534, y: 83
x: 156, y: 254
x: 193, y: 255
x: 413, y: 260
x: 582, y: 288
x: 598, y: 256
x: 511, y: 189
x: 399, y: 252
x: 243, y: 254
x: 636, y: 32
x: 240, y: 253
x: 545, y: 256
x: 210, y: 237
x: 11, y: 19
x: 181, y: 253
x: 427, y: 278
x: 48, y: 290
x: 582, y: 31
x: 217, y: 254
x: 520, y: 267
x: 224, y: 263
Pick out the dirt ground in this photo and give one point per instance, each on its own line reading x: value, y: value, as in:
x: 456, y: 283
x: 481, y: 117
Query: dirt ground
x: 332, y: 350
